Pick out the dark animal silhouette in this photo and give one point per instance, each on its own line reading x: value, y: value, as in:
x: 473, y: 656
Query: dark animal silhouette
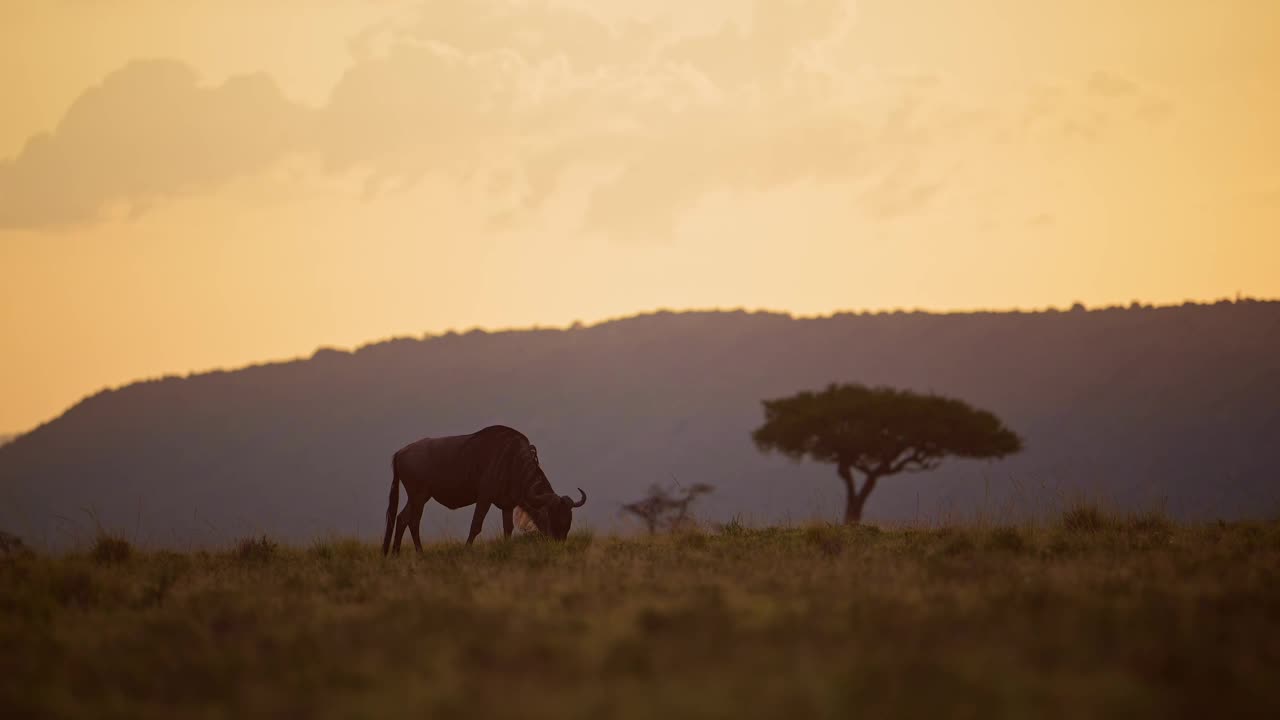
x: 495, y: 466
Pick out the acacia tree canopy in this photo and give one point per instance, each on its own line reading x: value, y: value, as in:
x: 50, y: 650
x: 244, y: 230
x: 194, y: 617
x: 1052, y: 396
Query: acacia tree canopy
x: 879, y: 431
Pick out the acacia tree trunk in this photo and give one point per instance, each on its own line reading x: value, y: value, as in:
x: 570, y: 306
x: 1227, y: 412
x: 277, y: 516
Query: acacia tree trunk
x: 855, y: 498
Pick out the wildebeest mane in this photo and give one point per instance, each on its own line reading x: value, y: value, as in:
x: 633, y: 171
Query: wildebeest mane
x: 505, y: 453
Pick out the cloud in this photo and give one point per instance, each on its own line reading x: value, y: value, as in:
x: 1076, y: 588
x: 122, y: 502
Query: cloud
x: 423, y: 109
x: 150, y: 130
x: 513, y: 100
x: 1087, y: 112
x: 1111, y: 85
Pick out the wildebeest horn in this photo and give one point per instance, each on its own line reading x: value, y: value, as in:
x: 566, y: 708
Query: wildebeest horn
x: 583, y: 501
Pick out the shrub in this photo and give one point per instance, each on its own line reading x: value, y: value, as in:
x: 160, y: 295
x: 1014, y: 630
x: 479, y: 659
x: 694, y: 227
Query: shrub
x: 958, y: 544
x: 339, y: 548
x: 734, y: 528
x: 1084, y: 518
x: 1152, y: 521
x: 667, y: 508
x: 110, y: 550
x: 155, y: 592
x: 499, y: 550
x: 1007, y: 538
x: 259, y: 549
x: 829, y: 540
x: 11, y: 544
x: 690, y: 536
x: 324, y: 550
x: 75, y: 587
x: 579, y: 540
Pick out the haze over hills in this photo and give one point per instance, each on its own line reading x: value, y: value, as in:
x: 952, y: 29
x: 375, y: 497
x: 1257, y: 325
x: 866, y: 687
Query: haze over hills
x: 1175, y: 407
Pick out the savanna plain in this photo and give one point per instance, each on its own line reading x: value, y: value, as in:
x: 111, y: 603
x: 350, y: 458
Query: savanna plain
x: 1087, y: 615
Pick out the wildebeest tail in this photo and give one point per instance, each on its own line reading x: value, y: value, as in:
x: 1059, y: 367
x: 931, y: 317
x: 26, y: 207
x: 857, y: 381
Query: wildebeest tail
x: 392, y: 504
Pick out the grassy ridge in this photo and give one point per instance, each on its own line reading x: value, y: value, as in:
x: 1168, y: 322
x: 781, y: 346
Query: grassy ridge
x: 1092, y: 616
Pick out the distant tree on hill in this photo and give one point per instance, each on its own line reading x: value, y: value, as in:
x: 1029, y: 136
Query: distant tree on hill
x: 663, y: 507
x: 878, y: 432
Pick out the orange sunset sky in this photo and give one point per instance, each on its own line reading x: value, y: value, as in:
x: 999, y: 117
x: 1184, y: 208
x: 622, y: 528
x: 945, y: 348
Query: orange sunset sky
x: 209, y: 183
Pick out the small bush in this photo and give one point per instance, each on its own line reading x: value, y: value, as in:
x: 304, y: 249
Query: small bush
x: 1085, y: 518
x: 339, y: 548
x: 75, y: 587
x: 259, y: 549
x: 734, y: 528
x: 1009, y: 539
x: 1066, y: 545
x: 155, y: 592
x: 829, y: 540
x: 110, y: 550
x: 323, y: 550
x: 11, y: 544
x: 865, y: 530
x: 691, y: 537
x: 1151, y: 522
x: 498, y: 550
x: 667, y: 508
x: 958, y: 544
x: 453, y: 551
x: 579, y: 540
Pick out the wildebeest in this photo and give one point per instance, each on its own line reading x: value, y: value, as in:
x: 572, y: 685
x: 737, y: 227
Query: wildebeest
x: 495, y: 466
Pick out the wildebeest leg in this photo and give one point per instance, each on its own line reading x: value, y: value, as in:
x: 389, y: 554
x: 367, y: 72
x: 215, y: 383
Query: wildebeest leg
x: 477, y: 520
x: 414, y: 522
x: 508, y: 522
x: 402, y: 524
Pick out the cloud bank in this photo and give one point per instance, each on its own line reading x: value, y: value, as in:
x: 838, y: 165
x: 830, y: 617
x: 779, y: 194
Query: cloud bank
x: 511, y: 99
x: 149, y: 131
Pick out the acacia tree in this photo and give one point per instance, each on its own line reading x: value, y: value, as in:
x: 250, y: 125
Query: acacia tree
x: 877, y: 432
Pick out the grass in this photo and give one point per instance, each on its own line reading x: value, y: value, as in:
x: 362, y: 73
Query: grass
x: 1093, y: 616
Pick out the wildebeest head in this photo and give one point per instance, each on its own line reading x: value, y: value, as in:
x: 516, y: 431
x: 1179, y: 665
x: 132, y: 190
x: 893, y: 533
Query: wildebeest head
x: 553, y: 514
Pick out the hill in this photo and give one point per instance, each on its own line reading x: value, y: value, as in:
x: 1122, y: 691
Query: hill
x: 1175, y: 407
